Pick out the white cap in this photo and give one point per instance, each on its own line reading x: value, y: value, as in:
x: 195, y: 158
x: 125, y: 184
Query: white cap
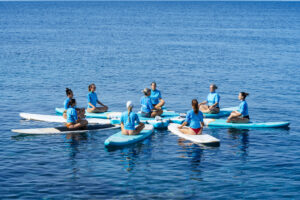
x: 129, y: 104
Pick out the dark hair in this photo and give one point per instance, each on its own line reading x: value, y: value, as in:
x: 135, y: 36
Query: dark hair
x: 195, y: 106
x: 90, y: 86
x: 71, y: 102
x: 153, y: 83
x: 68, y: 91
x: 244, y: 94
x: 214, y: 86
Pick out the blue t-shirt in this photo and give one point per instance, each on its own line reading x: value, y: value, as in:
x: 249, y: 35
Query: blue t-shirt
x: 194, y: 119
x: 155, y: 96
x: 213, y: 98
x: 146, y: 104
x: 71, y: 115
x: 243, y: 108
x: 92, y: 98
x: 129, y: 122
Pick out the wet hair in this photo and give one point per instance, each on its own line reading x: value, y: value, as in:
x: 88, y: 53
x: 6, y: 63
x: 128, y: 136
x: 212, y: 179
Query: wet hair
x: 214, y: 86
x: 153, y: 83
x: 68, y: 91
x: 91, y: 85
x: 71, y: 102
x: 195, y: 106
x: 244, y: 94
x: 129, y: 111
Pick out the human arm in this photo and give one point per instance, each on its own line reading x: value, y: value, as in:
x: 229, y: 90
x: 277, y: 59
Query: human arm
x: 101, y: 103
x: 203, y: 103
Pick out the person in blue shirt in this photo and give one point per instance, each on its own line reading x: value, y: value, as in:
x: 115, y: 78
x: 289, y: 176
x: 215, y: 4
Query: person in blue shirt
x: 128, y: 120
x: 93, y: 100
x: 155, y: 97
x: 73, y: 122
x: 194, y: 118
x: 147, y: 109
x: 211, y: 105
x: 80, y: 111
x: 241, y: 115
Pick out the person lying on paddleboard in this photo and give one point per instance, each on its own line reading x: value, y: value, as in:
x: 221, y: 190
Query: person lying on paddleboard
x: 194, y: 118
x: 241, y: 115
x: 73, y: 122
x: 211, y: 105
x: 93, y: 100
x: 155, y: 97
x: 128, y: 119
x: 147, y: 108
x: 80, y: 111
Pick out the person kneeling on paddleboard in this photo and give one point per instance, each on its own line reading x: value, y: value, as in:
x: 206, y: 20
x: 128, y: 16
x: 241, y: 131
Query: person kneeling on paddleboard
x: 147, y: 109
x: 212, y: 101
x: 128, y: 119
x: 194, y: 118
x: 241, y: 115
x: 80, y: 111
x: 93, y: 100
x: 155, y: 97
x: 72, y: 120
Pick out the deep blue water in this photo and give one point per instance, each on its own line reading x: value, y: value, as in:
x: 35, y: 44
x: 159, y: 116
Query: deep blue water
x: 122, y: 47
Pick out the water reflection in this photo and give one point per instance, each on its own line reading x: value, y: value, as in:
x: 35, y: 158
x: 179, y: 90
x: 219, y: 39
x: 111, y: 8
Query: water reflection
x: 192, y: 151
x: 242, y: 136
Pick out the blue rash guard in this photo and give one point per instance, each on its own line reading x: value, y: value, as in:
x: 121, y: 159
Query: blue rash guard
x: 66, y: 103
x: 243, y: 108
x: 155, y: 96
x: 129, y: 122
x: 71, y: 115
x: 194, y: 119
x: 92, y: 98
x: 213, y: 98
x: 146, y: 105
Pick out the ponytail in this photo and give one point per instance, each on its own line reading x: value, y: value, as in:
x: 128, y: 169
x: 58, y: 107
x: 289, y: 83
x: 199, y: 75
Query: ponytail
x: 244, y: 94
x: 129, y: 111
x: 68, y: 91
x: 195, y: 106
x: 90, y: 86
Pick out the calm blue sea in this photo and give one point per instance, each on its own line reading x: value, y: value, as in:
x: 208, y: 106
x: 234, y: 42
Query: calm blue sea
x: 122, y: 47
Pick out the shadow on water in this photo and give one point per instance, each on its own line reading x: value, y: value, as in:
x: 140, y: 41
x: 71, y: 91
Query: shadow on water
x: 73, y: 140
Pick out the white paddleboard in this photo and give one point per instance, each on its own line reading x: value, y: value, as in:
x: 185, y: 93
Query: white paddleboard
x: 198, y: 139
x: 62, y: 130
x: 59, y: 119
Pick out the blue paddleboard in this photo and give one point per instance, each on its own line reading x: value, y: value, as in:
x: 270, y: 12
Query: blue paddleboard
x: 119, y: 139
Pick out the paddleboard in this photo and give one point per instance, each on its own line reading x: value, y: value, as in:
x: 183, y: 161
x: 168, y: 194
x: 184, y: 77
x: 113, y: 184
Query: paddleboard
x: 198, y: 139
x: 119, y: 139
x: 116, y: 115
x: 223, y: 113
x: 59, y: 119
x: 158, y: 122
x: 223, y: 123
x: 62, y: 130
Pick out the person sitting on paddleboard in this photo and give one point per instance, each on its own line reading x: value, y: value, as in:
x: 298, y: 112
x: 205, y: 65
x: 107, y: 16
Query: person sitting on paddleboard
x: 241, y: 115
x: 93, y: 100
x: 212, y: 101
x: 147, y: 108
x: 194, y: 118
x: 155, y: 97
x: 80, y: 111
x: 73, y: 122
x: 128, y: 119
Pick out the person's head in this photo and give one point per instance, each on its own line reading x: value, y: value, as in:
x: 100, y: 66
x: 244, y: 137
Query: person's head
x: 147, y: 92
x: 72, y: 102
x: 243, y: 95
x: 129, y: 105
x: 69, y: 93
x: 92, y: 87
x: 195, y: 106
x: 153, y: 85
x: 212, y: 88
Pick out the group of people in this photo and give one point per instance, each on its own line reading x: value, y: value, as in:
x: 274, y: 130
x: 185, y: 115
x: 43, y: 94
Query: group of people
x: 151, y: 106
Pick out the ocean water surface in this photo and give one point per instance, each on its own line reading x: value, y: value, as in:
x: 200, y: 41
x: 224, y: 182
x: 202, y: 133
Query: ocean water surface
x: 122, y: 47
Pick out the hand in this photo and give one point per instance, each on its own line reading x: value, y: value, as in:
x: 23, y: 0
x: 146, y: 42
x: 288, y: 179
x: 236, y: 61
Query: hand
x: 180, y: 127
